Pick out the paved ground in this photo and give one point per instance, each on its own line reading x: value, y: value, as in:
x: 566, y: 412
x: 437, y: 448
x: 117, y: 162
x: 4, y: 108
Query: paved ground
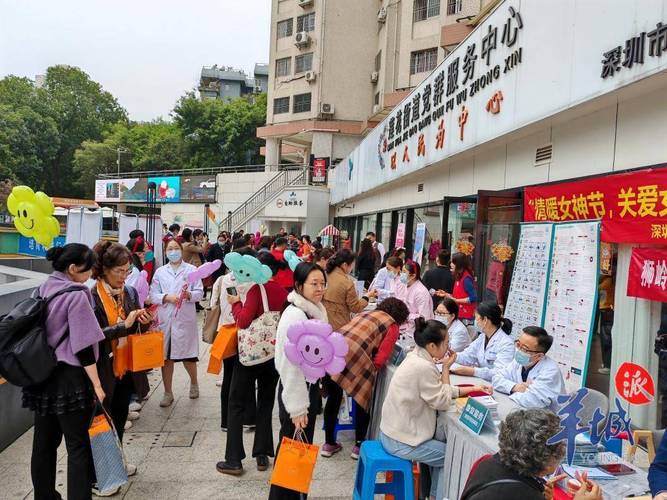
x: 176, y: 449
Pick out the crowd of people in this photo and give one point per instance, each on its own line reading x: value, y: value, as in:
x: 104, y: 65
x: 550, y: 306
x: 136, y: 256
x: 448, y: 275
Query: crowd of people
x: 434, y: 316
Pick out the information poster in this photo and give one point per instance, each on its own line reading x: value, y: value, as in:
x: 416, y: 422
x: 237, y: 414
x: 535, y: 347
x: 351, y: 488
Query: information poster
x: 400, y: 235
x: 526, y: 301
x: 420, y: 236
x: 572, y: 297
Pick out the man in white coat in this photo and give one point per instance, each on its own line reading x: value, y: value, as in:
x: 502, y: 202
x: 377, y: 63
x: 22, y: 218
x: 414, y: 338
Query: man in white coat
x: 532, y: 379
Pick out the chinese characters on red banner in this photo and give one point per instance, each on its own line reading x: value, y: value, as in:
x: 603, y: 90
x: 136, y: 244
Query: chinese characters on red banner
x: 647, y: 276
x: 632, y: 206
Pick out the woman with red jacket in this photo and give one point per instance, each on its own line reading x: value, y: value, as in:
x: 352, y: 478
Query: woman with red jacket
x: 244, y: 377
x: 370, y: 337
x: 464, y: 293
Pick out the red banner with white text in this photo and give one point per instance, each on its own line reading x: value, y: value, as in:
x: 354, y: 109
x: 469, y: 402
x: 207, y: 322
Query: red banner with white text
x: 632, y: 206
x: 647, y: 276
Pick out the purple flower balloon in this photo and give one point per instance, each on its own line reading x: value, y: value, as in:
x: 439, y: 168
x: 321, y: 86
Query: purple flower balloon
x: 142, y: 287
x: 313, y: 346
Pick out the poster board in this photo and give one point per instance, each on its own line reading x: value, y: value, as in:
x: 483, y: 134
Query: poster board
x: 84, y: 226
x: 420, y: 236
x: 129, y: 222
x: 572, y: 298
x: 400, y: 235
x: 527, y: 299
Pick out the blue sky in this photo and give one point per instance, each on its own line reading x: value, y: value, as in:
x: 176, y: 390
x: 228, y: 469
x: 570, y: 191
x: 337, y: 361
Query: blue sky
x: 145, y: 52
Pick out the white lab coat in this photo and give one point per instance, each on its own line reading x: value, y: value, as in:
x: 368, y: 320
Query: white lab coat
x: 459, y: 338
x: 498, y: 353
x: 546, y: 384
x: 180, y: 330
x: 219, y: 296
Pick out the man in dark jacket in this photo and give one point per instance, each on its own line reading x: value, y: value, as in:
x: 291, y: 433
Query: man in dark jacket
x: 218, y: 251
x: 439, y: 278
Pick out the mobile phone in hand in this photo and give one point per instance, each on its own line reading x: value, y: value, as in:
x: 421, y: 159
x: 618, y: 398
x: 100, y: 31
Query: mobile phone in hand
x: 152, y: 308
x: 231, y: 291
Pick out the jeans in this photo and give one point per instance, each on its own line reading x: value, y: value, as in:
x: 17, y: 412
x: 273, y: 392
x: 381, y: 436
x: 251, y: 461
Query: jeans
x: 331, y: 410
x: 243, y: 382
x: 431, y: 453
x: 287, y: 429
x: 48, y: 434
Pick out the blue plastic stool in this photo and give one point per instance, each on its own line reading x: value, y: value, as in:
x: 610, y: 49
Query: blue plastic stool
x: 346, y: 427
x: 373, y: 459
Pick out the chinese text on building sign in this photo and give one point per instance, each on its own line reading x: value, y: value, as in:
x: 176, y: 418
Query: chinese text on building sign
x: 647, y: 276
x: 632, y: 206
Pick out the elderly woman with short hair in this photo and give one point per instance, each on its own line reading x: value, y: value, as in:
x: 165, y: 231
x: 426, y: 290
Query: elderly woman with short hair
x: 524, y: 459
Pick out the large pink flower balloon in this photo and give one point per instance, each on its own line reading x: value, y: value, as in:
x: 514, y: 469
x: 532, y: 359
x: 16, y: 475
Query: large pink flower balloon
x: 204, y: 271
x: 313, y: 346
x: 142, y: 287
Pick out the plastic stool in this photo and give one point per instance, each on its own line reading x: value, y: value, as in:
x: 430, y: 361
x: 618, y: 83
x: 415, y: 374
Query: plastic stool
x: 346, y: 427
x: 373, y: 459
x: 416, y: 474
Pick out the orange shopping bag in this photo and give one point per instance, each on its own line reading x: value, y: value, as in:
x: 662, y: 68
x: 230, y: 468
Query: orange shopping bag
x: 224, y: 346
x: 295, y: 463
x: 146, y: 351
x: 121, y: 357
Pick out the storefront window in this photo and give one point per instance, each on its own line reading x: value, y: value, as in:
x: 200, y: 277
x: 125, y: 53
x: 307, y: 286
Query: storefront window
x: 432, y: 217
x: 460, y: 223
x: 368, y: 223
x: 385, y: 233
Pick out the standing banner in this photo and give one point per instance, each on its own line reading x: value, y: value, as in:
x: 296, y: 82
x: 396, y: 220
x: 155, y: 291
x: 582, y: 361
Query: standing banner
x: 647, y: 276
x: 84, y: 226
x: 420, y: 236
x: 572, y: 298
x: 319, y: 170
x: 632, y: 206
x: 527, y: 297
x: 400, y: 235
x: 128, y: 222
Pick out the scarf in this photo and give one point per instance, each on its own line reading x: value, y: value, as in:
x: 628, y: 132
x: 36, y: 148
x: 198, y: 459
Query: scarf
x: 313, y: 311
x: 112, y: 301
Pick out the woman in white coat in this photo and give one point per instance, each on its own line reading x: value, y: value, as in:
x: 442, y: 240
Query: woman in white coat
x: 492, y: 349
x: 181, y: 338
x: 298, y: 401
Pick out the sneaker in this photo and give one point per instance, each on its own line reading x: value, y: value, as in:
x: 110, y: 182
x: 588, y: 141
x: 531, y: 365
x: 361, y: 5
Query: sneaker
x: 167, y: 399
x: 133, y: 415
x: 108, y: 493
x: 194, y: 391
x: 218, y: 383
x: 355, y: 453
x: 329, y: 450
x: 229, y: 468
x: 249, y: 428
x: 262, y: 463
x: 128, y: 425
x: 604, y: 371
x: 135, y: 406
x: 131, y: 470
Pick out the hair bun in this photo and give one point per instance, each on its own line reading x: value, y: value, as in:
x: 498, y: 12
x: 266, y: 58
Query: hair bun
x: 420, y: 323
x: 53, y: 254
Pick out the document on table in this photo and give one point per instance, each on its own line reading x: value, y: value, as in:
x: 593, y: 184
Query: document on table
x: 593, y: 472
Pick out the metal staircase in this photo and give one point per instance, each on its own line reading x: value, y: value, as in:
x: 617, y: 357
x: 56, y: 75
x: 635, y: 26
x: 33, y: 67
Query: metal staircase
x: 297, y: 176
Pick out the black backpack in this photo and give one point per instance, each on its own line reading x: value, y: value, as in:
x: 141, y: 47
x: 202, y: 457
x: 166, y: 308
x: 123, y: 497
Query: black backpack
x: 25, y: 357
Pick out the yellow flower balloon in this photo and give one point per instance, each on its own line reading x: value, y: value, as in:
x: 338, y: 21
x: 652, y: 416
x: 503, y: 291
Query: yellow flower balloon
x: 33, y: 215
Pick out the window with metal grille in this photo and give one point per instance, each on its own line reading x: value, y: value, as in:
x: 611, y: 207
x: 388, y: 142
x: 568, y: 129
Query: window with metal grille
x: 543, y: 154
x: 423, y: 60
x: 284, y: 27
x: 283, y: 66
x: 305, y: 22
x: 281, y: 105
x: 303, y: 63
x: 454, y: 6
x: 301, y: 103
x: 423, y: 9
x: 378, y: 61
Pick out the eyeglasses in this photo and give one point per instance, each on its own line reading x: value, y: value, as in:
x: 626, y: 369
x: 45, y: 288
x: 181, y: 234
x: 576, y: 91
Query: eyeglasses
x: 317, y: 284
x: 120, y: 271
x: 523, y: 348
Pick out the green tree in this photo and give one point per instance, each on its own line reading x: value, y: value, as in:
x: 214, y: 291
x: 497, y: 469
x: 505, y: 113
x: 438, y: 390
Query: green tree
x: 219, y: 133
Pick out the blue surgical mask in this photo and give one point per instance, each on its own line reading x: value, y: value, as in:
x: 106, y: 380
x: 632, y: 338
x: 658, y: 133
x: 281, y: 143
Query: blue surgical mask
x: 392, y: 274
x: 404, y: 278
x: 174, y: 256
x: 149, y: 256
x: 521, y: 357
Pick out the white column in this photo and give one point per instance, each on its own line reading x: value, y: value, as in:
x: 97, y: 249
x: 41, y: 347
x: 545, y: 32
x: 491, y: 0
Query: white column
x: 272, y: 158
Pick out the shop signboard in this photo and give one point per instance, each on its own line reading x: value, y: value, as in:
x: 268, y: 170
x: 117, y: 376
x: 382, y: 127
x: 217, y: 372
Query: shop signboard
x: 28, y: 246
x: 293, y: 203
x: 647, y: 275
x: 632, y: 206
x: 198, y: 188
x: 420, y: 236
x: 319, y: 170
x: 505, y: 75
x: 400, y: 235
x: 168, y: 189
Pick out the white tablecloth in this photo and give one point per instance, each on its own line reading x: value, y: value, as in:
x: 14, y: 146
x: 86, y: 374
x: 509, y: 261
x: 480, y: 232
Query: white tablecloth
x: 464, y: 447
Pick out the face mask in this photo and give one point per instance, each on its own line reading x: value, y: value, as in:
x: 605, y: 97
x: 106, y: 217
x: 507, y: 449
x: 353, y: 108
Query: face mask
x: 478, y: 326
x: 521, y: 357
x: 404, y: 278
x: 446, y: 320
x: 392, y: 274
x: 149, y: 256
x: 174, y: 256
x: 221, y: 243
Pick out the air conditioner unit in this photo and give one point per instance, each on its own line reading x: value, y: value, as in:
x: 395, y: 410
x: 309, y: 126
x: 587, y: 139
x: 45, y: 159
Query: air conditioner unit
x: 376, y: 109
x: 382, y: 15
x: 305, y: 3
x: 302, y: 39
x: 326, y: 109
x: 311, y: 76
x: 375, y: 76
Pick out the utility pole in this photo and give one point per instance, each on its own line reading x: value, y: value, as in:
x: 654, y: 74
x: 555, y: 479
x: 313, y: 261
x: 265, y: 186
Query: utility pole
x: 119, y: 151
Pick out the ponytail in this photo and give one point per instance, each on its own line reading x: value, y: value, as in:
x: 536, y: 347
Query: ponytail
x: 429, y: 331
x: 491, y: 311
x: 341, y: 257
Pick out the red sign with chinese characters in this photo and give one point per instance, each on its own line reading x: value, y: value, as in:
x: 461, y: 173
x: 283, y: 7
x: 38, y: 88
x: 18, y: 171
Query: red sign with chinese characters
x: 632, y: 206
x: 647, y: 276
x: 634, y: 384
